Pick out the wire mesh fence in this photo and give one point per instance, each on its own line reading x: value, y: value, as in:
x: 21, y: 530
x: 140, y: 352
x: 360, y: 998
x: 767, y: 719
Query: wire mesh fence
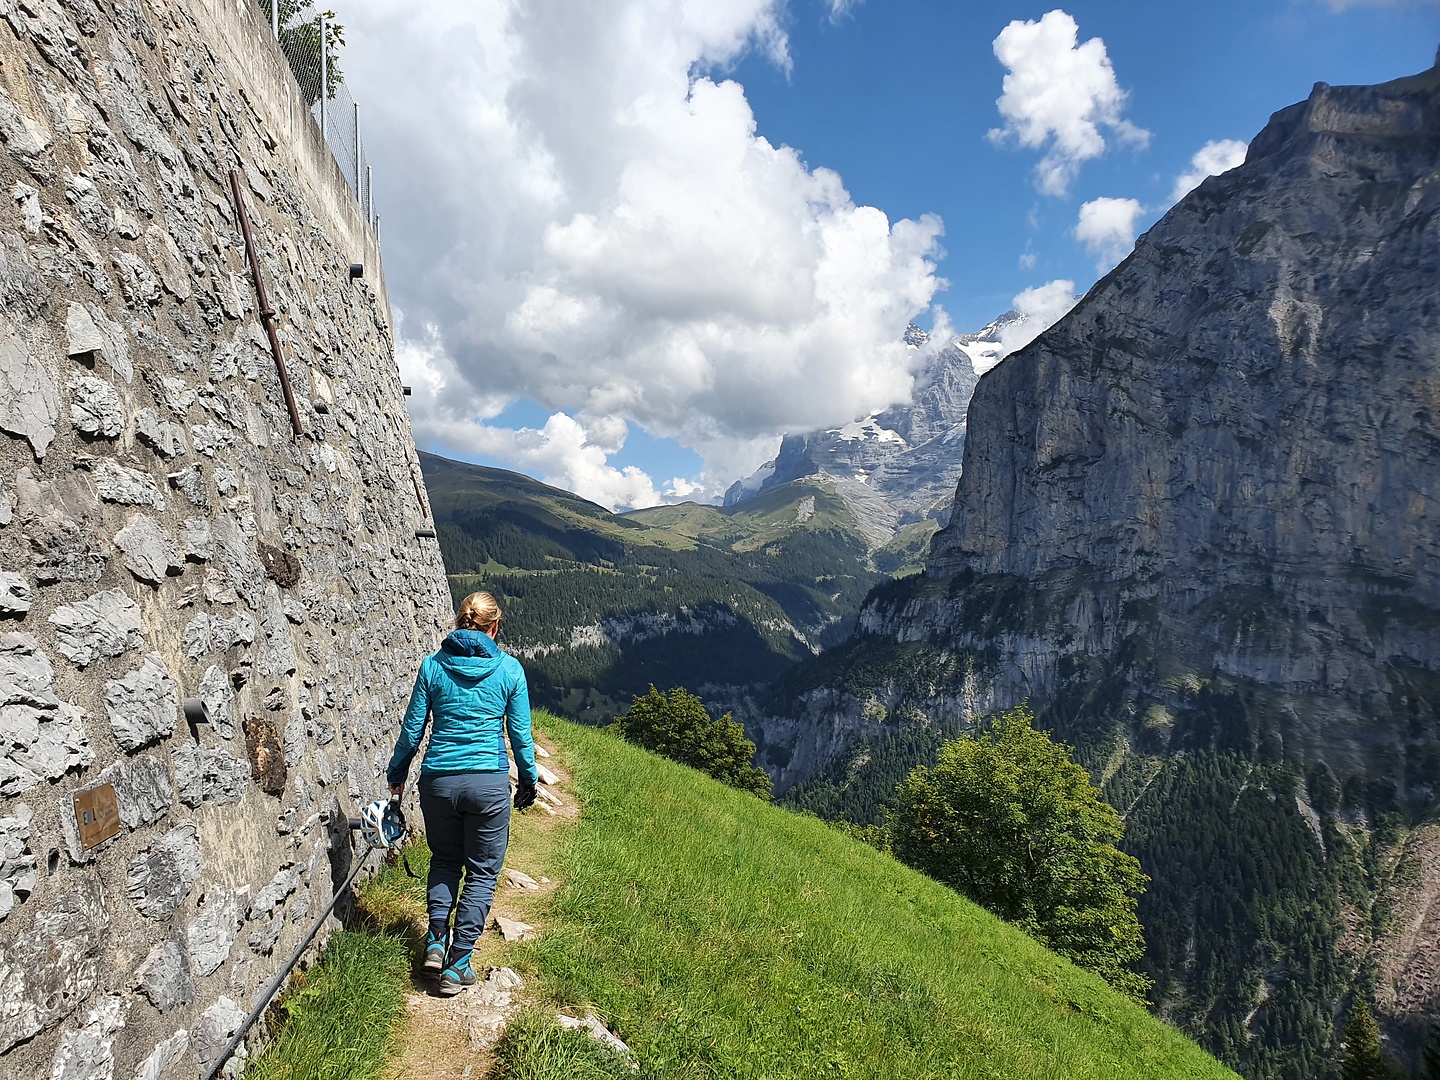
x: 311, y: 40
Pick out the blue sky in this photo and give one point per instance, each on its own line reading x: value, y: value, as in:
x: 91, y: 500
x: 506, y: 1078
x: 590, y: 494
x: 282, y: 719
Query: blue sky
x: 609, y: 273
x: 898, y: 96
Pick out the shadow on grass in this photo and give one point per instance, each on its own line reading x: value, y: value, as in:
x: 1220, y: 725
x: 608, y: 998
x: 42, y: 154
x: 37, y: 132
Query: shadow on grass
x: 335, y: 1020
x: 392, y: 904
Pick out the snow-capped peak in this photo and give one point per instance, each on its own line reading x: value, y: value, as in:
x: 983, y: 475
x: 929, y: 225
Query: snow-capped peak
x: 868, y: 428
x: 909, y: 455
x: 987, y: 346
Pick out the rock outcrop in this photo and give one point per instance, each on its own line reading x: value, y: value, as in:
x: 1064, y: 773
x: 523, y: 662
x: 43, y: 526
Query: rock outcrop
x: 1230, y: 447
x: 165, y: 534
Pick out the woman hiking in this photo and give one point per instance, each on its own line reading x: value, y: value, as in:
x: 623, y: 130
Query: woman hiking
x: 474, y: 695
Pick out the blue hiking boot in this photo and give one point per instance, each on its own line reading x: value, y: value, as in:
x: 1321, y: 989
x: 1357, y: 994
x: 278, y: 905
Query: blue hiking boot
x: 434, y: 952
x: 457, y: 975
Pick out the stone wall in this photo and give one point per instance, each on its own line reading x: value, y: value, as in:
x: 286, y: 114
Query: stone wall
x: 164, y: 535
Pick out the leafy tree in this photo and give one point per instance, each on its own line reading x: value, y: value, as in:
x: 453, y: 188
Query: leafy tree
x: 1006, y: 818
x: 1364, y: 1060
x: 677, y: 726
x: 876, y: 836
x: 300, y: 42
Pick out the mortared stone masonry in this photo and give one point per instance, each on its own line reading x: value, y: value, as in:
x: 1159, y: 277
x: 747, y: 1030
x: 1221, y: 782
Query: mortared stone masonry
x: 165, y: 535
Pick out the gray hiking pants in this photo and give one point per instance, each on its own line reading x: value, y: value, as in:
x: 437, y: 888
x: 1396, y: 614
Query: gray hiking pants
x: 467, y: 824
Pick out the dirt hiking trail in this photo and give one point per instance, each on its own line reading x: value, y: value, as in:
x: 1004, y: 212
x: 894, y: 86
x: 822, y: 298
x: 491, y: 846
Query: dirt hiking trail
x: 452, y: 1038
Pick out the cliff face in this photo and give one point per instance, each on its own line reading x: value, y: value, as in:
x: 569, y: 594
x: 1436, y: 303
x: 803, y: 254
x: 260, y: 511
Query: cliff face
x: 1197, y: 530
x: 165, y: 534
x: 1232, y: 446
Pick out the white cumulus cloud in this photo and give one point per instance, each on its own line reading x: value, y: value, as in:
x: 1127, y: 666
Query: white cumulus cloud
x: 565, y: 453
x: 1212, y: 159
x: 579, y: 211
x: 1107, y: 227
x: 680, y: 488
x: 1061, y: 96
x: 1043, y: 306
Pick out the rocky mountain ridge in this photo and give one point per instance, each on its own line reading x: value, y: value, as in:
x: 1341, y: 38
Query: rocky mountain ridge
x: 1233, y: 438
x: 899, y: 466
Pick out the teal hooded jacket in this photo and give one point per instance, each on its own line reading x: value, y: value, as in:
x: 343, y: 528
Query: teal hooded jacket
x: 474, y: 695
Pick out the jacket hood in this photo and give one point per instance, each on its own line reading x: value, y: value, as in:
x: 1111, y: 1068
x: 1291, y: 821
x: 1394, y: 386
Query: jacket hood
x: 470, y: 643
x: 470, y: 654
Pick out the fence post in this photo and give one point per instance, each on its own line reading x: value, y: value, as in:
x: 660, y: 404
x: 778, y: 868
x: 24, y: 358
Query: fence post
x: 275, y: 18
x: 359, y: 192
x: 324, y: 75
x: 369, y: 193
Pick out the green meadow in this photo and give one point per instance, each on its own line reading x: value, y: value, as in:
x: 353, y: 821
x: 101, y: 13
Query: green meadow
x: 721, y: 936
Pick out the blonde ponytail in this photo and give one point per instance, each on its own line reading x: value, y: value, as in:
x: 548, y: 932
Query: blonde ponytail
x: 478, y: 611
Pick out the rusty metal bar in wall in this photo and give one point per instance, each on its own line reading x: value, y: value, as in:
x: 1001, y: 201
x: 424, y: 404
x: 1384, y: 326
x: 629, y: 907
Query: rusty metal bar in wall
x: 424, y: 510
x: 267, y: 313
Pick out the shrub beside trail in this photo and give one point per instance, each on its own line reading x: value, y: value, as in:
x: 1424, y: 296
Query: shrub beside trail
x: 677, y: 726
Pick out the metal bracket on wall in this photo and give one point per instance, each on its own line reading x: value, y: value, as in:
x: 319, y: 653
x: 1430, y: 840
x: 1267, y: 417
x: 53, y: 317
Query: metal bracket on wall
x: 267, y: 313
x: 196, y: 713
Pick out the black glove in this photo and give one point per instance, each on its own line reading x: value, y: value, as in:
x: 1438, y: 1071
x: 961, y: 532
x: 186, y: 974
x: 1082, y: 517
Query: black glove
x: 524, y: 795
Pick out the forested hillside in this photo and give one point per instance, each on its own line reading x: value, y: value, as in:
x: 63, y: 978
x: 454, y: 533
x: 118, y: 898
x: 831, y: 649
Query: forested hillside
x: 1256, y: 868
x: 602, y: 605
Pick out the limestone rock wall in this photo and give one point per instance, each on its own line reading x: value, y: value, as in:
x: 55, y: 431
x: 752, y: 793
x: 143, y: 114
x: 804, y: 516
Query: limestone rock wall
x: 1198, y: 518
x: 165, y: 535
x: 1229, y: 449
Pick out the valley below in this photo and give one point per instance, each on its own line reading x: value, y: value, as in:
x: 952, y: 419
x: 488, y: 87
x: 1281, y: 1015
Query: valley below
x: 600, y: 606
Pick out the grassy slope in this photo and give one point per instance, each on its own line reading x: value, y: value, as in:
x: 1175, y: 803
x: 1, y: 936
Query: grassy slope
x: 724, y: 937
x: 754, y: 523
x: 1247, y: 906
x: 906, y: 552
x: 457, y: 487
